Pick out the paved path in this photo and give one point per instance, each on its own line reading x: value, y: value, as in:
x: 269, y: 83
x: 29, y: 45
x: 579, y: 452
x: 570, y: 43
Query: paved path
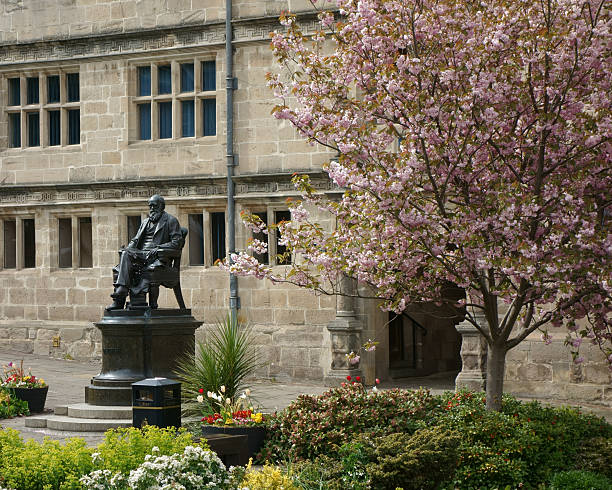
x: 67, y: 380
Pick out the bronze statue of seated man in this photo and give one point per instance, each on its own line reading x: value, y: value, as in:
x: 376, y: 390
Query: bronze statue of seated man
x: 158, y: 241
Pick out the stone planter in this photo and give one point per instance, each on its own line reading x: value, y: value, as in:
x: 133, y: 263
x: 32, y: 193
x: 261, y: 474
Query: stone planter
x: 256, y: 434
x: 35, y: 397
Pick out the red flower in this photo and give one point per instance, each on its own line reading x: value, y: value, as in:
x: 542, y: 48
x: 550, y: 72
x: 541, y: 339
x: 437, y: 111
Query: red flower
x: 201, y: 390
x: 358, y: 379
x: 348, y: 378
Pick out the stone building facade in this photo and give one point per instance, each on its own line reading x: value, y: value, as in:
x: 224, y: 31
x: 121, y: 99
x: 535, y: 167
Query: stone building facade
x: 106, y: 102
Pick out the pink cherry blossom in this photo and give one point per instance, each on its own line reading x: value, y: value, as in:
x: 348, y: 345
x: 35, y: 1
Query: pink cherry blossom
x: 475, y: 152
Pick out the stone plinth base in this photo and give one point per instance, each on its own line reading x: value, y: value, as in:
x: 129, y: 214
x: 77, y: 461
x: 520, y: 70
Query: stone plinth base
x: 139, y: 344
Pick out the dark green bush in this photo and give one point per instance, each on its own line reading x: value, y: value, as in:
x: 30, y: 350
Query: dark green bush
x: 399, y: 460
x: 423, y: 460
x: 521, y: 445
x: 579, y: 480
x: 596, y: 455
x: 318, y: 425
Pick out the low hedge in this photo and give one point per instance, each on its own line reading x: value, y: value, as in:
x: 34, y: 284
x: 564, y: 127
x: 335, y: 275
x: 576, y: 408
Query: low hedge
x: 316, y: 425
x: 580, y: 480
x: 50, y: 465
x: 523, y: 445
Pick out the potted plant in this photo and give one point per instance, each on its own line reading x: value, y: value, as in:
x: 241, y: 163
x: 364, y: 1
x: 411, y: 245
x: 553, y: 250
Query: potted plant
x: 225, y: 415
x: 214, y: 382
x: 26, y: 387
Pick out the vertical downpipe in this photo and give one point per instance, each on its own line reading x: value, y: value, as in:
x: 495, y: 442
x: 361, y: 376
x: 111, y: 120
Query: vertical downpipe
x: 229, y: 102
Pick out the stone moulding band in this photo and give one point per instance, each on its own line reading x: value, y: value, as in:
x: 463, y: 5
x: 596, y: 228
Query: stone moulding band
x: 140, y: 42
x: 207, y: 188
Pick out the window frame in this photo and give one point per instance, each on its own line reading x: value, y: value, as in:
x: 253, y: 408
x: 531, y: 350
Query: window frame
x: 176, y: 96
x: 206, y: 214
x: 75, y: 244
x: 20, y: 246
x: 21, y: 113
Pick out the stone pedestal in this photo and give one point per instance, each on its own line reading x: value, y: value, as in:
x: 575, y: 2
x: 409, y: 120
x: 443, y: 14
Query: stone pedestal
x: 473, y: 373
x: 345, y: 331
x: 139, y: 344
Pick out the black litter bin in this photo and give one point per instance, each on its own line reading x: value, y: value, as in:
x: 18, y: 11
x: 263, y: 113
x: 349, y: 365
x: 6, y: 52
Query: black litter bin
x: 156, y: 401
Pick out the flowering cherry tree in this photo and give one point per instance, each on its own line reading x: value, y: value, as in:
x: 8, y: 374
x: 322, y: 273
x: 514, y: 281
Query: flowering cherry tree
x: 474, y: 143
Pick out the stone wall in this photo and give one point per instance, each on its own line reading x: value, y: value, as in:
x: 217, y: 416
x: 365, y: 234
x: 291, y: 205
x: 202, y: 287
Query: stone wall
x: 536, y: 369
x: 31, y: 20
x: 64, y: 340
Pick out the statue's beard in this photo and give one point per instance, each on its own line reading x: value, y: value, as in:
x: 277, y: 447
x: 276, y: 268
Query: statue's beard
x: 155, y: 215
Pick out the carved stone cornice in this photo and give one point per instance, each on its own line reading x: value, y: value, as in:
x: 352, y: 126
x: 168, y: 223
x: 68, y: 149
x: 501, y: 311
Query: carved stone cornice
x: 179, y: 188
x: 142, y: 41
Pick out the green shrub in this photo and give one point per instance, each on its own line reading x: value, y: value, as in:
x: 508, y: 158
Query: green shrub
x: 125, y: 449
x: 521, y: 445
x: 321, y: 473
x: 423, y: 460
x: 32, y: 465
x: 579, y: 480
x: 596, y: 455
x: 317, y: 425
x: 11, y: 406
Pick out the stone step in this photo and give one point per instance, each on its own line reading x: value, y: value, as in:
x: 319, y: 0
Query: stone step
x: 62, y: 422
x: 86, y: 411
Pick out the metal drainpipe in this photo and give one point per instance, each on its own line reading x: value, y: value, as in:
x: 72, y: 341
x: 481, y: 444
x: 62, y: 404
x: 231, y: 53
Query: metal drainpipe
x: 230, y: 86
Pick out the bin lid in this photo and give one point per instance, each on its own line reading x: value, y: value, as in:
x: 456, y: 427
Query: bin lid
x: 156, y: 382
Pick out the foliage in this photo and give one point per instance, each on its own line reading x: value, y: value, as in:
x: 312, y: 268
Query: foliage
x: 32, y: 465
x: 11, y: 406
x: 422, y: 460
x: 123, y: 449
x: 523, y: 444
x: 321, y: 473
x: 314, y: 425
x: 226, y: 359
x: 15, y: 377
x: 596, y: 455
x: 29, y: 465
x: 191, y: 469
x: 520, y: 445
x: 579, y: 480
x: 267, y: 478
x: 474, y: 143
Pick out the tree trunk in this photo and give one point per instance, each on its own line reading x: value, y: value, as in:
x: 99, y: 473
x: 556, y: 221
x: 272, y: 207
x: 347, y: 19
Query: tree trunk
x: 496, y: 364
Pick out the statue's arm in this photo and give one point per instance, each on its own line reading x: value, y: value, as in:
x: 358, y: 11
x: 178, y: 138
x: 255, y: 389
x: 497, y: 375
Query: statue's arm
x: 134, y: 241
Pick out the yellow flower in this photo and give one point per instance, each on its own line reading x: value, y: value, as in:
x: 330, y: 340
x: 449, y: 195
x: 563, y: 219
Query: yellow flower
x: 257, y: 417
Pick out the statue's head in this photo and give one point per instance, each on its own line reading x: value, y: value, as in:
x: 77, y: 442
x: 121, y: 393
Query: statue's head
x: 156, y: 207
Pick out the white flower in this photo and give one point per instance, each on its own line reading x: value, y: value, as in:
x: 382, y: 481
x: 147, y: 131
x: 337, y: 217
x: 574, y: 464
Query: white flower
x: 200, y: 398
x: 223, y: 389
x: 247, y: 392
